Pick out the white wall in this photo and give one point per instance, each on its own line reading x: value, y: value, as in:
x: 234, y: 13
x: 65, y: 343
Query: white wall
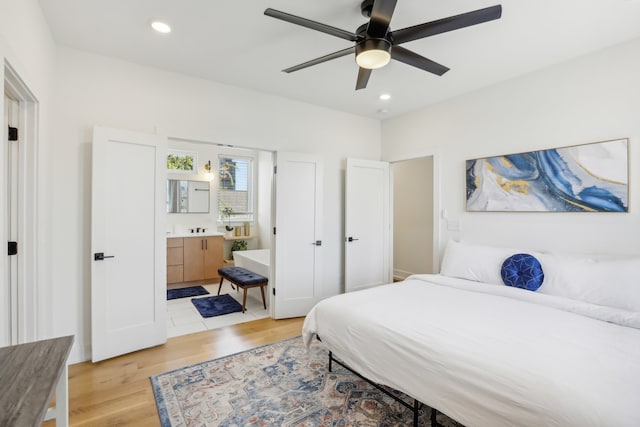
x: 589, y: 99
x: 95, y: 90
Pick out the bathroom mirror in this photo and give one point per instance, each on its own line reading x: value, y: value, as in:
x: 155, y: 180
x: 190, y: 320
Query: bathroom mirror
x: 185, y: 196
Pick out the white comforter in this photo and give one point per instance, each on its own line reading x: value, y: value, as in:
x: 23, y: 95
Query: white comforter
x: 489, y: 355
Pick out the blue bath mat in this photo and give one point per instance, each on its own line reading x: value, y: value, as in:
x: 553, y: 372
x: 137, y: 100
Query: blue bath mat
x: 216, y: 306
x: 191, y: 291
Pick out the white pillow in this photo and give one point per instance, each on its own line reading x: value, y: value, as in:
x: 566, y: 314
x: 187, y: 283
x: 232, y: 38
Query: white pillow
x: 479, y: 263
x: 607, y: 282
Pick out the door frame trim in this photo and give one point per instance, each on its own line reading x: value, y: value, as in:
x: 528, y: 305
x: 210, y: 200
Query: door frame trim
x: 30, y: 300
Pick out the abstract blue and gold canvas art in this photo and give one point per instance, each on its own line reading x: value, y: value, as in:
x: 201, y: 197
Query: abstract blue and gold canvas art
x: 581, y: 178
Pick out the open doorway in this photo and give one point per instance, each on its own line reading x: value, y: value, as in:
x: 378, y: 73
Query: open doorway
x: 240, y: 180
x: 413, y: 217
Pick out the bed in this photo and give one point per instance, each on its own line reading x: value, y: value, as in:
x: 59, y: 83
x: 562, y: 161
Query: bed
x: 491, y: 355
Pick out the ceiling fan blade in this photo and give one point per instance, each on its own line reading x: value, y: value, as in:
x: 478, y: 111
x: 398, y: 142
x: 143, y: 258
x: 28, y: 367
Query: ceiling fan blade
x: 381, y: 14
x: 411, y: 58
x: 446, y: 24
x: 327, y: 29
x: 363, y: 78
x: 322, y: 59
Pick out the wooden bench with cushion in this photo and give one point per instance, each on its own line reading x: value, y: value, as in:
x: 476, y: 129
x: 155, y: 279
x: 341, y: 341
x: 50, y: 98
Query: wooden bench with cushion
x: 245, y: 279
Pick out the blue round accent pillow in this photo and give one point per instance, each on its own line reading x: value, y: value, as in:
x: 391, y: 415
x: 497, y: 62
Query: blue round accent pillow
x: 522, y: 271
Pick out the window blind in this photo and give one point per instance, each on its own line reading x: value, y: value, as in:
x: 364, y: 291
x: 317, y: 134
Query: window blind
x: 235, y: 188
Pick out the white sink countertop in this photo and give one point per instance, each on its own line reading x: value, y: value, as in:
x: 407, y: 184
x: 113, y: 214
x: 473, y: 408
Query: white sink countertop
x: 194, y: 234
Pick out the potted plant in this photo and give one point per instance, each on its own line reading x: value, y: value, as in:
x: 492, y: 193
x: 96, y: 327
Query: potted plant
x: 238, y: 245
x: 226, y: 212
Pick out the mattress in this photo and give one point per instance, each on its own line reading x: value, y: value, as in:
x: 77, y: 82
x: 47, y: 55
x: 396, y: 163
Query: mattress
x: 489, y: 355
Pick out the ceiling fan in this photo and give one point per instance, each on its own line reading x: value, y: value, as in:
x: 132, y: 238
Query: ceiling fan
x: 375, y: 44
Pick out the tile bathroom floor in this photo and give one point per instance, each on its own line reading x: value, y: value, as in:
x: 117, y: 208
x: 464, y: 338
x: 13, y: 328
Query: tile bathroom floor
x: 183, y: 318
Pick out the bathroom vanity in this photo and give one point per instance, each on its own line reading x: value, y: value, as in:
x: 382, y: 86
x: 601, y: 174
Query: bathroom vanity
x: 194, y: 257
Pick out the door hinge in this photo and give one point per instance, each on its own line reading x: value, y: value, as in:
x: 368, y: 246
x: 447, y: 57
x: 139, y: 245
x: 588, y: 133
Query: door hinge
x: 13, y: 134
x: 274, y: 292
x: 12, y: 248
x: 275, y: 169
x: 274, y: 231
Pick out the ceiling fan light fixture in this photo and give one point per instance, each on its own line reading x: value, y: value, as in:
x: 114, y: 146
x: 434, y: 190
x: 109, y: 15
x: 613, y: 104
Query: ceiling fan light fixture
x: 373, y: 53
x: 375, y: 39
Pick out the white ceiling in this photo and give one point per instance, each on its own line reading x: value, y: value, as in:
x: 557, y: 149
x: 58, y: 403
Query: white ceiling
x: 233, y: 42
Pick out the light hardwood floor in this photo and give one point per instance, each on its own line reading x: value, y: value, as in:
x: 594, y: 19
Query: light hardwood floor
x: 117, y: 392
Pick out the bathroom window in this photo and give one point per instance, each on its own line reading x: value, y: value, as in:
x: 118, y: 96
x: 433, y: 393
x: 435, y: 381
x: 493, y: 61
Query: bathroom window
x: 182, y: 161
x: 235, y: 192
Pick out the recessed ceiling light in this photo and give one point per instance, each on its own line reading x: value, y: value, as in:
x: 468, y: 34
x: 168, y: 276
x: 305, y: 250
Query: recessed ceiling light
x: 161, y: 27
x: 385, y: 96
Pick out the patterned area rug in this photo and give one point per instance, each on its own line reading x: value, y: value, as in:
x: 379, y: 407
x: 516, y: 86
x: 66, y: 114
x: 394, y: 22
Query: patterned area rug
x: 279, y: 384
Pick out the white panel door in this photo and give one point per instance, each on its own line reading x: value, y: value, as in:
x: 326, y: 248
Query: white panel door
x: 298, y: 238
x: 367, y: 225
x: 128, y: 286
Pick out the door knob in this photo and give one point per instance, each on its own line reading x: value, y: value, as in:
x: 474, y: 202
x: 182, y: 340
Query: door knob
x: 100, y: 256
x: 351, y: 239
x: 317, y: 243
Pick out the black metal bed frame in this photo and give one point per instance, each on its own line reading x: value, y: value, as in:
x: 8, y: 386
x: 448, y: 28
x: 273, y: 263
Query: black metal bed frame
x: 415, y: 408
